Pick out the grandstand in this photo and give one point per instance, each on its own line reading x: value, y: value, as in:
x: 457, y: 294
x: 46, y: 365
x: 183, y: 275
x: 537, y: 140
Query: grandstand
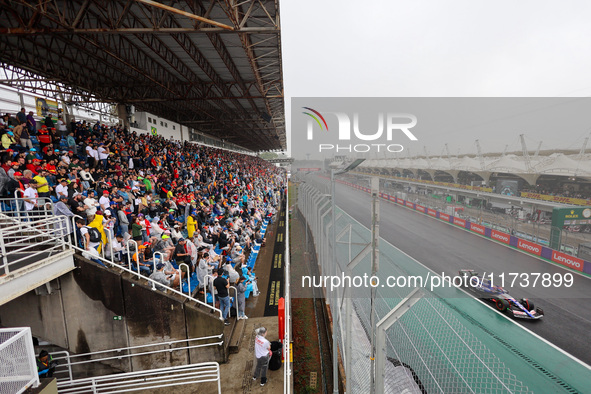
x: 127, y: 182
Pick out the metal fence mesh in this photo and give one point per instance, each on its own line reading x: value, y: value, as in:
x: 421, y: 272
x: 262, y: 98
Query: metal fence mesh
x: 428, y: 349
x: 17, y: 361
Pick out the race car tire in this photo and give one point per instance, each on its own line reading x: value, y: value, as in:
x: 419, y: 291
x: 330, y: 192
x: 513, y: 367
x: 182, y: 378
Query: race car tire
x: 527, y: 304
x: 540, y: 311
x: 502, y: 305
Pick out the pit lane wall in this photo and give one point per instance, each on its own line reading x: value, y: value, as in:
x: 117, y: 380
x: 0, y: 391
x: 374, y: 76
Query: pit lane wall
x: 555, y: 256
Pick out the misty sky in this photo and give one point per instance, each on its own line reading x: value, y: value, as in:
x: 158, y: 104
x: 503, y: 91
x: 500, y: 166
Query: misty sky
x: 458, y: 48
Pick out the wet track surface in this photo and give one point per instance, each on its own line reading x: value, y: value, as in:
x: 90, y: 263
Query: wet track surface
x: 444, y: 248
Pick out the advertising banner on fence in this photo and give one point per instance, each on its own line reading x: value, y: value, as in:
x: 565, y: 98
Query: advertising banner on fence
x: 477, y: 228
x: 432, y: 212
x: 566, y: 260
x: 500, y: 236
x: 444, y: 216
x: 459, y: 222
x: 529, y: 247
x: 566, y: 200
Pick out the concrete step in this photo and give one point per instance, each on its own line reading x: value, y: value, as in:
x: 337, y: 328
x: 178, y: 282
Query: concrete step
x: 228, y: 332
x: 237, y: 336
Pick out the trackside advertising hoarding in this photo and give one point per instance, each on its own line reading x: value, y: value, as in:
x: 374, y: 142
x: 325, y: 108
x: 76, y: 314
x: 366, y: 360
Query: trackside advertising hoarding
x: 477, y: 228
x: 529, y: 247
x: 500, y: 236
x: 567, y: 260
x: 459, y: 222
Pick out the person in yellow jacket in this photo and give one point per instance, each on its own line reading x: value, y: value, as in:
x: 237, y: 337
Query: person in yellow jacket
x: 97, y: 222
x: 191, y: 224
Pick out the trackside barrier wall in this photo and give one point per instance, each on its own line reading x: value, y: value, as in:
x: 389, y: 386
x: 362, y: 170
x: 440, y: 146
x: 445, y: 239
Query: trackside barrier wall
x: 499, y: 236
x: 446, y: 342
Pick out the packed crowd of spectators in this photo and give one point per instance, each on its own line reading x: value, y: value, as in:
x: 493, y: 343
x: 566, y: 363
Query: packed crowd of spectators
x: 179, y: 202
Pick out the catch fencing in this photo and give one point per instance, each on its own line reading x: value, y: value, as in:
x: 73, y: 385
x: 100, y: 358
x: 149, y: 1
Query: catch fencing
x: 426, y: 347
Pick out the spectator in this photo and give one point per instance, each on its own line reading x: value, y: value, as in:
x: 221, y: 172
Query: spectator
x: 180, y: 254
x: 21, y: 116
x: 139, y: 259
x: 91, y: 237
x: 161, y: 277
x: 241, y: 297
x: 31, y: 124
x: 45, y: 365
x: 61, y: 209
x: 31, y: 197
x: 221, y: 285
x: 61, y: 126
x: 61, y: 190
x: 262, y: 354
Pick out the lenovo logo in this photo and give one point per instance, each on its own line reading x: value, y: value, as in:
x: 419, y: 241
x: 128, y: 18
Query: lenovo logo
x: 567, y: 260
x: 529, y: 247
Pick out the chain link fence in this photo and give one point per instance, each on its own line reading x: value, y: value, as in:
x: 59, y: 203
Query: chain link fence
x: 427, y: 349
x: 18, y: 368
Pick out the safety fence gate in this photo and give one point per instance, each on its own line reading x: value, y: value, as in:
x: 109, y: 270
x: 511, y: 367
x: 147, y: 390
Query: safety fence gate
x: 421, y: 343
x: 18, y: 367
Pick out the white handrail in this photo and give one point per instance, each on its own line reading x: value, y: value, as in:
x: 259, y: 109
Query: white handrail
x: 41, y: 240
x: 188, y: 278
x: 206, y: 280
x: 69, y: 357
x: 148, y: 379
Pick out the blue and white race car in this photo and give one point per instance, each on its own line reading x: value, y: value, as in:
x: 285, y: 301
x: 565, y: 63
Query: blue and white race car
x: 483, y: 289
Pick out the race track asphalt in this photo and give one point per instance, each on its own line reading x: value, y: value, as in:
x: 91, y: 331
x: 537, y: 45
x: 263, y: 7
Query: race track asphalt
x: 445, y: 248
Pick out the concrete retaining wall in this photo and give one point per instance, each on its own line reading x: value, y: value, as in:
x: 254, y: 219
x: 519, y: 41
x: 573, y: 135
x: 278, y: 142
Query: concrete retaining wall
x: 82, y: 315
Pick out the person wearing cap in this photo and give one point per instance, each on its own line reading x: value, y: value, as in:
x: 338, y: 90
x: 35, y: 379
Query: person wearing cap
x: 180, y: 254
x: 105, y: 201
x: 109, y: 223
x: 164, y: 246
x: 161, y: 277
x: 8, y: 141
x: 140, y: 260
x: 31, y: 197
x: 262, y: 353
x: 62, y: 188
x: 62, y: 209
